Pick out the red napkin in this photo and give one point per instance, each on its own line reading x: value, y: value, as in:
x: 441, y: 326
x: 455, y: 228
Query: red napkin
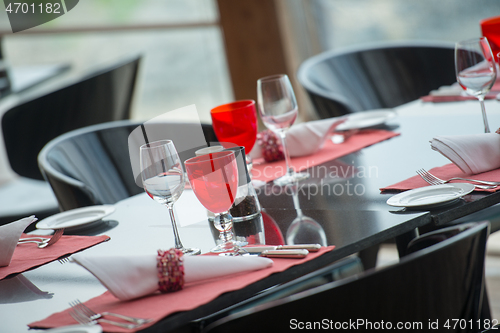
x: 491, y: 30
x: 270, y: 171
x: 455, y: 98
x: 445, y: 172
x: 28, y: 256
x: 158, y: 306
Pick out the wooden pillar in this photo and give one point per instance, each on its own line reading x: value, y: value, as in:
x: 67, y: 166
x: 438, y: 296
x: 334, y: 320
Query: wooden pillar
x: 253, y: 43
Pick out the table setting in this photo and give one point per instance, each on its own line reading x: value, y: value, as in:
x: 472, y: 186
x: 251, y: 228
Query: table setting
x: 201, y: 286
x: 141, y: 286
x: 475, y: 157
x: 143, y: 278
x: 17, y: 248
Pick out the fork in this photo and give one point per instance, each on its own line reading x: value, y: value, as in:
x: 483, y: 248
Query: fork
x: 433, y: 180
x: 77, y: 305
x: 84, y: 320
x: 46, y: 241
x: 485, y: 182
x: 65, y: 260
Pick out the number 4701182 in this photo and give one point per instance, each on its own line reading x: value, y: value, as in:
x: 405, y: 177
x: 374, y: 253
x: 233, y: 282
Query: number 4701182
x: 25, y: 8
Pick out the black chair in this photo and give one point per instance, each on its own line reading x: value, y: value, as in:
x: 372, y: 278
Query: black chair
x: 374, y: 77
x: 102, y: 96
x: 91, y: 166
x: 438, y: 283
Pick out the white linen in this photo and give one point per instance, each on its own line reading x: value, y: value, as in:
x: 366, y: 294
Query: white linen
x: 9, y: 236
x: 306, y: 138
x: 473, y: 153
x: 129, y: 277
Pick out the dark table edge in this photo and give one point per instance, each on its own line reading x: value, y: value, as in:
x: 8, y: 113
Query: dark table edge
x: 446, y: 216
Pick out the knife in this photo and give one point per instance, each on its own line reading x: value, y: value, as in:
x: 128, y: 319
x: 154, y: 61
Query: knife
x: 261, y: 248
x: 295, y: 254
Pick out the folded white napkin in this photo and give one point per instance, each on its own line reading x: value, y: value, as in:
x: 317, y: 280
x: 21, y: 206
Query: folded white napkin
x: 9, y: 236
x: 454, y: 90
x: 473, y: 153
x: 131, y: 277
x: 306, y: 138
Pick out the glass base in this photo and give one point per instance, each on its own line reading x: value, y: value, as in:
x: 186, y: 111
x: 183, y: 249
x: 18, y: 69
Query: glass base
x: 190, y: 251
x: 290, y: 179
x: 229, y: 246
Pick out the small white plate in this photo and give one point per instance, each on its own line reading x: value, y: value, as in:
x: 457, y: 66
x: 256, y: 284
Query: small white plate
x: 75, y: 217
x: 76, y: 329
x: 365, y: 119
x: 433, y: 195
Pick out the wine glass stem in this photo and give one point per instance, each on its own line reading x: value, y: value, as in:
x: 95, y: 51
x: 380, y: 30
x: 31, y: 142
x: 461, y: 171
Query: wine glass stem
x: 485, y: 119
x: 289, y: 170
x: 178, y: 244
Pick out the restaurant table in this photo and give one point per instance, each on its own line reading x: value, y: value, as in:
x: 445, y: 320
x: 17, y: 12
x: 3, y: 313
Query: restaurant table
x: 352, y: 220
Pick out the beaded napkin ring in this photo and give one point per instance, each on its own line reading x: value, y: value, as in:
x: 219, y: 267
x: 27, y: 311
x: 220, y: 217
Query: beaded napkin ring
x: 272, y: 150
x: 170, y: 266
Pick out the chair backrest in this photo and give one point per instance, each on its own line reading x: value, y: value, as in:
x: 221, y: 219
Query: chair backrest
x: 99, y: 97
x: 91, y: 165
x: 439, y: 283
x: 374, y: 77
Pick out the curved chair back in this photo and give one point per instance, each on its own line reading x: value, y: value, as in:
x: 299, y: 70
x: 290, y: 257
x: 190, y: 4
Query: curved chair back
x: 99, y: 97
x: 374, y: 77
x: 437, y: 283
x: 91, y: 166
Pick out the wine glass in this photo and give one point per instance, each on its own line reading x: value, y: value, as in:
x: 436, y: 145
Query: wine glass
x: 476, y: 70
x: 278, y: 110
x: 303, y: 229
x: 163, y: 180
x: 236, y: 123
x: 214, y: 180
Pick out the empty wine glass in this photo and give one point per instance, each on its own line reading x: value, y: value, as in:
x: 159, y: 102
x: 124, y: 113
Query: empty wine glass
x: 163, y: 180
x: 278, y: 110
x: 303, y: 229
x: 476, y: 70
x: 214, y: 180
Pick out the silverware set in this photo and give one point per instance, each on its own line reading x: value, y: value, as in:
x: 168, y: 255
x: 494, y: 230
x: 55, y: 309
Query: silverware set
x: 433, y: 180
x: 42, y: 242
x: 85, y: 316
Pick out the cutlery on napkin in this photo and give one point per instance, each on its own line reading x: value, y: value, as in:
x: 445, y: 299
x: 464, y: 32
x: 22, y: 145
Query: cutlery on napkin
x: 262, y: 248
x: 9, y: 236
x: 306, y: 138
x: 129, y: 277
x: 475, y: 153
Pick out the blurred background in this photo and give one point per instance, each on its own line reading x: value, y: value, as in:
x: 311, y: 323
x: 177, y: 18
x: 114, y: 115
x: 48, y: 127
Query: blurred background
x: 204, y: 52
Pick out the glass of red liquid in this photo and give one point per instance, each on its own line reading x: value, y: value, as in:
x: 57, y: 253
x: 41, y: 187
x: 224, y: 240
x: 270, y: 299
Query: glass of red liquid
x: 214, y: 180
x: 236, y: 123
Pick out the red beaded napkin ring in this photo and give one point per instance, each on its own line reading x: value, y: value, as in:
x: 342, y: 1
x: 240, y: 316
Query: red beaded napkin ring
x: 272, y: 150
x: 170, y: 266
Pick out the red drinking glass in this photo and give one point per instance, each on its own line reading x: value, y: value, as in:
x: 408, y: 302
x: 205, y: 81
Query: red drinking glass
x: 490, y: 28
x: 214, y: 180
x: 236, y: 123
